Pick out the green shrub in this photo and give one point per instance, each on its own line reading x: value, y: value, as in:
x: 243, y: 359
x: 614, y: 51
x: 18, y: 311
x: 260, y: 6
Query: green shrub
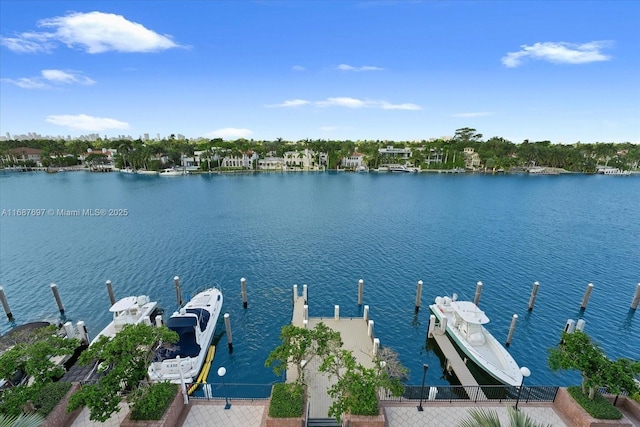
x: 636, y: 397
x: 286, y: 401
x: 49, y: 395
x: 598, y: 407
x: 150, y: 403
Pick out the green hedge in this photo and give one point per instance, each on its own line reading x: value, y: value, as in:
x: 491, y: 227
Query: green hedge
x: 153, y: 401
x: 286, y: 401
x: 599, y: 407
x: 43, y: 396
x: 49, y: 396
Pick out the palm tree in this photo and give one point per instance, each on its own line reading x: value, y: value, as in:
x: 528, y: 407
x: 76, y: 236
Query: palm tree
x: 489, y: 418
x: 23, y: 420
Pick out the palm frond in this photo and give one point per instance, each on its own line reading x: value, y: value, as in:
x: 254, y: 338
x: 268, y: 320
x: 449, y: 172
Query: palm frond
x: 481, y: 418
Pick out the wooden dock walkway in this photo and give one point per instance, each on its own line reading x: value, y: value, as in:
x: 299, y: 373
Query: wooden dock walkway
x: 355, y: 337
x: 458, y: 365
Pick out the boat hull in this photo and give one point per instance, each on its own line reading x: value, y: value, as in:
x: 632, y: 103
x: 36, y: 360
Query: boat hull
x: 183, y: 362
x: 507, y: 373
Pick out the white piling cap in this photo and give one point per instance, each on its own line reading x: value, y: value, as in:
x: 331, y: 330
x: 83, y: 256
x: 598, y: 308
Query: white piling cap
x: 108, y: 281
x: 53, y: 285
x: 176, y: 278
x: 226, y: 315
x: 242, y: 279
x: 479, y: 283
x: 515, y: 316
x: 360, y: 281
x: 419, y: 282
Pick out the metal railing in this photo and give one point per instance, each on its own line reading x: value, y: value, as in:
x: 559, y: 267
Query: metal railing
x: 487, y: 393
x: 232, y: 391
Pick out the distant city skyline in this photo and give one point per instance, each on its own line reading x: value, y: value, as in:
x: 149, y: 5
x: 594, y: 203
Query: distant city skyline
x: 563, y: 71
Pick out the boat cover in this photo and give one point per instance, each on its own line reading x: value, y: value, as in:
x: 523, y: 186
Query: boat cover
x: 186, y: 345
x: 469, y: 312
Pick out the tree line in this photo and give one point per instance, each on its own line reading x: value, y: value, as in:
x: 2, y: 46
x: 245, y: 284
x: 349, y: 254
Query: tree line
x: 495, y: 152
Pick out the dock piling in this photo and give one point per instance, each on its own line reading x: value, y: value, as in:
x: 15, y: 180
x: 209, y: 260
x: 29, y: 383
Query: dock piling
x: 69, y: 330
x: 243, y: 287
x: 112, y: 296
x: 305, y: 293
x: 376, y: 346
x: 360, y: 291
x: 295, y: 293
x: 370, y: 328
x: 476, y: 299
x: 512, y: 329
x: 587, y: 294
x: 82, y: 331
x: 570, y: 326
x: 158, y: 320
x: 336, y: 312
x: 227, y: 324
x: 418, y: 295
x: 7, y: 310
x: 534, y: 292
x: 432, y: 326
x: 365, y: 314
x: 443, y: 325
x: 305, y: 312
x: 56, y: 295
x: 636, y: 298
x: 176, y: 283
x: 580, y: 324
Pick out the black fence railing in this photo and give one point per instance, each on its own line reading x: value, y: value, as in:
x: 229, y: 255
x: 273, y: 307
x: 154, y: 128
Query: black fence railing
x: 232, y: 391
x: 494, y: 393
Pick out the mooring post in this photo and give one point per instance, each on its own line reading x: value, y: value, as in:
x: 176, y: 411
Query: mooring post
x: 580, y: 324
x: 432, y: 326
x: 243, y: 290
x: 443, y: 324
x: 69, y: 330
x: 82, y: 330
x: 376, y: 346
x: 305, y: 312
x: 636, y: 298
x: 305, y: 293
x: 176, y: 283
x: 587, y: 294
x: 158, y: 320
x: 7, y: 310
x: 512, y: 329
x: 227, y: 324
x: 418, y: 295
x: 112, y: 297
x: 476, y: 300
x: 295, y: 294
x: 56, y: 295
x: 305, y: 324
x: 365, y: 314
x: 534, y: 292
x: 370, y: 329
x: 360, y: 291
x: 336, y: 312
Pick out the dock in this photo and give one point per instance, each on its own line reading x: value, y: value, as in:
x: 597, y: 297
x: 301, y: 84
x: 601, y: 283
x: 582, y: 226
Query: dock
x: 458, y: 365
x: 355, y: 337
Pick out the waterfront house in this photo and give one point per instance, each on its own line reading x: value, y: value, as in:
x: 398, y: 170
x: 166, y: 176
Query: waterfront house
x: 23, y: 154
x: 354, y: 161
x: 471, y: 158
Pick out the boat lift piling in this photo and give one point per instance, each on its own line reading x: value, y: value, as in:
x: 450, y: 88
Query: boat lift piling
x: 7, y: 310
x: 512, y: 329
x: 56, y: 295
x: 176, y: 283
x: 587, y: 294
x: 418, y: 295
x: 243, y: 288
x: 360, y: 291
x: 227, y: 324
x: 634, y: 302
x: 534, y: 292
x: 476, y: 299
x: 112, y: 296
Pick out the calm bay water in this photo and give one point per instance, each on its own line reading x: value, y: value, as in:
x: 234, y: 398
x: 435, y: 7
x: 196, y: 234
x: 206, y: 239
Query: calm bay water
x: 329, y: 230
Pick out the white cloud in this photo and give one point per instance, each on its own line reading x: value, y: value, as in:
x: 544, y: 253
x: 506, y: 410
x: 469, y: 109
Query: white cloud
x: 471, y: 115
x: 87, y: 123
x: 94, y: 32
x: 559, y: 53
x: 68, y: 77
x: 27, y: 83
x: 49, y: 77
x: 230, y: 133
x: 342, y: 102
x: 346, y: 67
x: 290, y: 103
x: 348, y: 102
x: 406, y: 106
x: 297, y: 68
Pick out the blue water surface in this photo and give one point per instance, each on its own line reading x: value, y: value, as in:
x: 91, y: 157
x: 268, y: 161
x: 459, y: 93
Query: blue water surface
x: 328, y: 230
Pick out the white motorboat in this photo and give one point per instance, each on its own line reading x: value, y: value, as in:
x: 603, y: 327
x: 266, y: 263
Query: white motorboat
x: 195, y: 325
x: 128, y: 170
x: 464, y: 325
x: 129, y: 311
x: 147, y: 172
x: 173, y: 172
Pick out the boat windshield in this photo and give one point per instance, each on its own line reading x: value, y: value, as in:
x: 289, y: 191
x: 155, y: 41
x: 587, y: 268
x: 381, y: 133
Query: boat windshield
x: 203, y: 316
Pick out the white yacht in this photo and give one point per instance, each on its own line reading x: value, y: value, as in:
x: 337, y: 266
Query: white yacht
x: 195, y: 325
x: 465, y: 327
x: 173, y: 172
x: 129, y: 311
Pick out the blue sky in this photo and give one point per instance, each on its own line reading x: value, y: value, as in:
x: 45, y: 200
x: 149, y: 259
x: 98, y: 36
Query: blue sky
x: 395, y: 70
